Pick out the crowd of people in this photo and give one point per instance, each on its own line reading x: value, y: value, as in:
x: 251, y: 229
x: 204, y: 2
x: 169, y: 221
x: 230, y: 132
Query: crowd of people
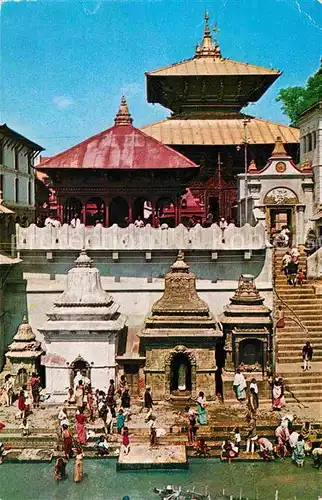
x: 52, y: 220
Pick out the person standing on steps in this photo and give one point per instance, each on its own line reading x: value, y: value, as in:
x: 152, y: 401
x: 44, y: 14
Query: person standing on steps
x: 307, y: 354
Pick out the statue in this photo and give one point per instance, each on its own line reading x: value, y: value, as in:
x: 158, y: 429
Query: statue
x: 182, y: 375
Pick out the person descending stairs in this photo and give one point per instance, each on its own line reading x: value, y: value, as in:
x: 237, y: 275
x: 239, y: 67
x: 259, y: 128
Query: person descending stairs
x: 301, y: 310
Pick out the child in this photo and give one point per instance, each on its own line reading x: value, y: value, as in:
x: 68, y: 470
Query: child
x: 120, y: 419
x: 237, y: 438
x: 24, y: 426
x: 126, y: 440
x: 202, y: 449
x: 21, y: 403
x: 300, y: 277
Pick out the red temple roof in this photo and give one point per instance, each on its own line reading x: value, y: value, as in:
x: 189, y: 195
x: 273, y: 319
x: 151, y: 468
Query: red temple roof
x: 119, y: 147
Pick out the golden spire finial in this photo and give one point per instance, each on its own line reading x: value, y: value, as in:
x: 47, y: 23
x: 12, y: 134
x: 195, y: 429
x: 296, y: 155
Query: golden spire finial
x: 252, y: 168
x: 279, y: 149
x: 208, y: 47
x: 123, y: 116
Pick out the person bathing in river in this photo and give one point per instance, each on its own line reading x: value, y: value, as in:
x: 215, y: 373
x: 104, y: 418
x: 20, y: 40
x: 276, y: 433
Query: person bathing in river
x: 298, y: 455
x: 78, y: 467
x: 68, y: 441
x: 266, y: 449
x: 202, y: 450
x: 60, y: 469
x: 102, y: 446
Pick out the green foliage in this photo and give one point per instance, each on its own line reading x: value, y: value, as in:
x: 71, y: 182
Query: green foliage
x: 295, y: 100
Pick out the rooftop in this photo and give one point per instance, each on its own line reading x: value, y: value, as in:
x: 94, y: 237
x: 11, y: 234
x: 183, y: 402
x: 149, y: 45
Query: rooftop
x: 119, y: 147
x: 8, y: 134
x: 220, y: 131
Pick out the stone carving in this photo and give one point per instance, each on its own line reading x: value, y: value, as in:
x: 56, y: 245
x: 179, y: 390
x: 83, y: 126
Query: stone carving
x: 280, y: 196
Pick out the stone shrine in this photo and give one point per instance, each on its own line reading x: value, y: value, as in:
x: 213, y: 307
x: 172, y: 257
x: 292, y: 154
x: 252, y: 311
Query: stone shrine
x: 247, y: 326
x: 83, y: 331
x: 23, y: 355
x: 179, y: 339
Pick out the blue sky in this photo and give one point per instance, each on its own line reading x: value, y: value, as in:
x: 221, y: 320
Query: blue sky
x: 65, y: 65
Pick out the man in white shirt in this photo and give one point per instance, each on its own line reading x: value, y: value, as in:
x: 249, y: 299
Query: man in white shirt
x: 49, y: 221
x: 75, y: 222
x: 139, y: 222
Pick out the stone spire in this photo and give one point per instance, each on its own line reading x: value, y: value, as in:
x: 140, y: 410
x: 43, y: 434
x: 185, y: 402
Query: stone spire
x: 180, y: 293
x: 123, y: 116
x: 84, y: 288
x: 279, y: 149
x: 208, y: 47
x: 24, y: 332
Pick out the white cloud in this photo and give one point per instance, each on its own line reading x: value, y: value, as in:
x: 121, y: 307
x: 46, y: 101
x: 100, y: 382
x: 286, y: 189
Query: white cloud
x: 63, y: 101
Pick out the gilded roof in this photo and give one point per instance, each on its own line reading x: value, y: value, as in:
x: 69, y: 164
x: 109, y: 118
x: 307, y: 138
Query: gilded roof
x: 222, y: 132
x: 206, y: 66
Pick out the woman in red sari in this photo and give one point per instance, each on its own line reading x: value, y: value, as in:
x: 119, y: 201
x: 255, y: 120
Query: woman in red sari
x: 68, y: 442
x: 80, y: 427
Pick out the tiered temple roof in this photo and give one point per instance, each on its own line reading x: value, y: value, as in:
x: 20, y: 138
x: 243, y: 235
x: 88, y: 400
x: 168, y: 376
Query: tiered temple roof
x: 247, y: 307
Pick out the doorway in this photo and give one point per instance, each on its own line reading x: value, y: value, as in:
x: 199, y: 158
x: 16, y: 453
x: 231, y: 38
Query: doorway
x: 280, y: 217
x: 131, y: 372
x: 251, y: 352
x: 213, y: 207
x: 180, y: 379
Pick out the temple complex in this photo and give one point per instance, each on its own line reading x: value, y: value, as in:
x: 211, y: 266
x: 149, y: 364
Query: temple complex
x: 206, y: 95
x: 83, y: 331
x: 179, y: 339
x: 117, y: 176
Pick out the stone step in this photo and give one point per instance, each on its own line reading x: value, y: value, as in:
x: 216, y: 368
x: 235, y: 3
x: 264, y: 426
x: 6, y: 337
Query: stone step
x: 293, y: 359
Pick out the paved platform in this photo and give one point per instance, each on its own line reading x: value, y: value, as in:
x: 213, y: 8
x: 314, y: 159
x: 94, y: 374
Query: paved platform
x: 141, y: 456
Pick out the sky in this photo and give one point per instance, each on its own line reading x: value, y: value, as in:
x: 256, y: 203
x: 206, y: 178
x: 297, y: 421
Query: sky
x: 65, y: 65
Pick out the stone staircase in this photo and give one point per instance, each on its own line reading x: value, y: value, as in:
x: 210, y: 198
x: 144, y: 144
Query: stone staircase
x: 303, y: 321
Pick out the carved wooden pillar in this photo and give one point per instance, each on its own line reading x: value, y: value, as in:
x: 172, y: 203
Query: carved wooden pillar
x: 237, y: 354
x: 106, y: 221
x: 130, y: 201
x: 177, y: 211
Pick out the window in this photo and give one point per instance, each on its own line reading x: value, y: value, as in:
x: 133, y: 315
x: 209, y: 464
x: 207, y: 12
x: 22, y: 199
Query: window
x: 314, y: 140
x: 17, y: 190
x: 16, y: 159
x: 1, y: 185
x: 29, y: 193
x: 30, y: 164
x: 310, y: 142
x: 1, y: 153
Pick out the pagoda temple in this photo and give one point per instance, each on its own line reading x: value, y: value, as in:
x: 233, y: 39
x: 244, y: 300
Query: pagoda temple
x: 179, y: 339
x: 117, y: 176
x: 206, y: 95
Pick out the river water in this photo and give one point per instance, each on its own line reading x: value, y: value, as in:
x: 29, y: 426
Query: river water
x: 101, y: 482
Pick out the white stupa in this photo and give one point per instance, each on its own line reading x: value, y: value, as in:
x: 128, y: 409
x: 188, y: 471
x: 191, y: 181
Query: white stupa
x: 82, y: 331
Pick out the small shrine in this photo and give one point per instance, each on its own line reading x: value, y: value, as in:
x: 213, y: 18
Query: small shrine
x: 23, y: 355
x: 247, y: 326
x: 280, y: 194
x: 83, y: 331
x: 179, y: 339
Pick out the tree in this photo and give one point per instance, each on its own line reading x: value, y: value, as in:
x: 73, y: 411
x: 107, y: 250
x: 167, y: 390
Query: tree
x: 295, y: 100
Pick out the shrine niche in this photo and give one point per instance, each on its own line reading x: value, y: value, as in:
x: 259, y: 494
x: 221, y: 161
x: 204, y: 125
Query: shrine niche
x: 247, y: 327
x: 281, y: 196
x: 175, y: 370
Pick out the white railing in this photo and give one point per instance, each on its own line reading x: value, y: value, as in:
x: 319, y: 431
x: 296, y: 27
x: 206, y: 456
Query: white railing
x: 146, y: 238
